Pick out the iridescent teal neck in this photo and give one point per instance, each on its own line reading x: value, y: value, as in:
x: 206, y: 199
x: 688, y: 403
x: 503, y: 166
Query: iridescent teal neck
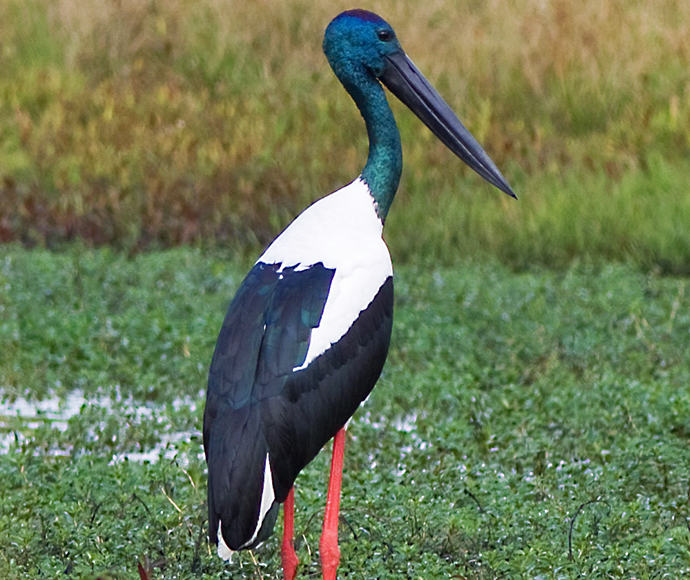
x: 384, y: 163
x: 355, y: 54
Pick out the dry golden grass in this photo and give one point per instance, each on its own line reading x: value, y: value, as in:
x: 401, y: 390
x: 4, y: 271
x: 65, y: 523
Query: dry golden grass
x: 137, y: 122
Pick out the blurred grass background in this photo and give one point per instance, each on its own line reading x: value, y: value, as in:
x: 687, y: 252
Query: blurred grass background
x: 148, y: 124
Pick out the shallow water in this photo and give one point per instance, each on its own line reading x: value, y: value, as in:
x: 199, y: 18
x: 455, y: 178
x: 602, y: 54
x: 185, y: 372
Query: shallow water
x: 20, y: 417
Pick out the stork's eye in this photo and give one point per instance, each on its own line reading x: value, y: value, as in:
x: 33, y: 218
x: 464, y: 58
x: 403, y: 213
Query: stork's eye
x: 385, y: 35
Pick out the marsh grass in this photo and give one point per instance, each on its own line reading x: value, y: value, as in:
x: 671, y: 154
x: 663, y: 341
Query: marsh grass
x: 159, y: 123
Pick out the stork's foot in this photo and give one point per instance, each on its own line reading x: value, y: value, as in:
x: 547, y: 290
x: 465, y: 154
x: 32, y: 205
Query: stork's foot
x: 330, y: 554
x: 290, y: 561
x: 287, y: 552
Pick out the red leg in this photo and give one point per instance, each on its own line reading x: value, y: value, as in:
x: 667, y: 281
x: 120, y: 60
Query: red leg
x: 287, y: 552
x: 330, y: 553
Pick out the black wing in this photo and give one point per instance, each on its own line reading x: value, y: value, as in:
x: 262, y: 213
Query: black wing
x: 257, y: 404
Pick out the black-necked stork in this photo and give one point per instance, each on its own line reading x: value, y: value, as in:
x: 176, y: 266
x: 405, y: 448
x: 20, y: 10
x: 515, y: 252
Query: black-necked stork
x: 306, y: 336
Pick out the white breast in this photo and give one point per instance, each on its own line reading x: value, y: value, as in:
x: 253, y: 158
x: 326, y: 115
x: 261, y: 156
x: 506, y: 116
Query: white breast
x: 343, y: 232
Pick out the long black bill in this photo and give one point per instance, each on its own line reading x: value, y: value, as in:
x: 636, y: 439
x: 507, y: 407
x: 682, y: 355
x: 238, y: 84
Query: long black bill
x: 403, y: 79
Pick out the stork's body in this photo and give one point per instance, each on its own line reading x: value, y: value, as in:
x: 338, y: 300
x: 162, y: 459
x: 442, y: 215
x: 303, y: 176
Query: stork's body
x: 306, y: 336
x: 303, y: 343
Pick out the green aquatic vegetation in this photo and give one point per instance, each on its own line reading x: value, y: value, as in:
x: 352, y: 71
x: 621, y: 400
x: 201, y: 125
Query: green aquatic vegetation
x: 527, y: 425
